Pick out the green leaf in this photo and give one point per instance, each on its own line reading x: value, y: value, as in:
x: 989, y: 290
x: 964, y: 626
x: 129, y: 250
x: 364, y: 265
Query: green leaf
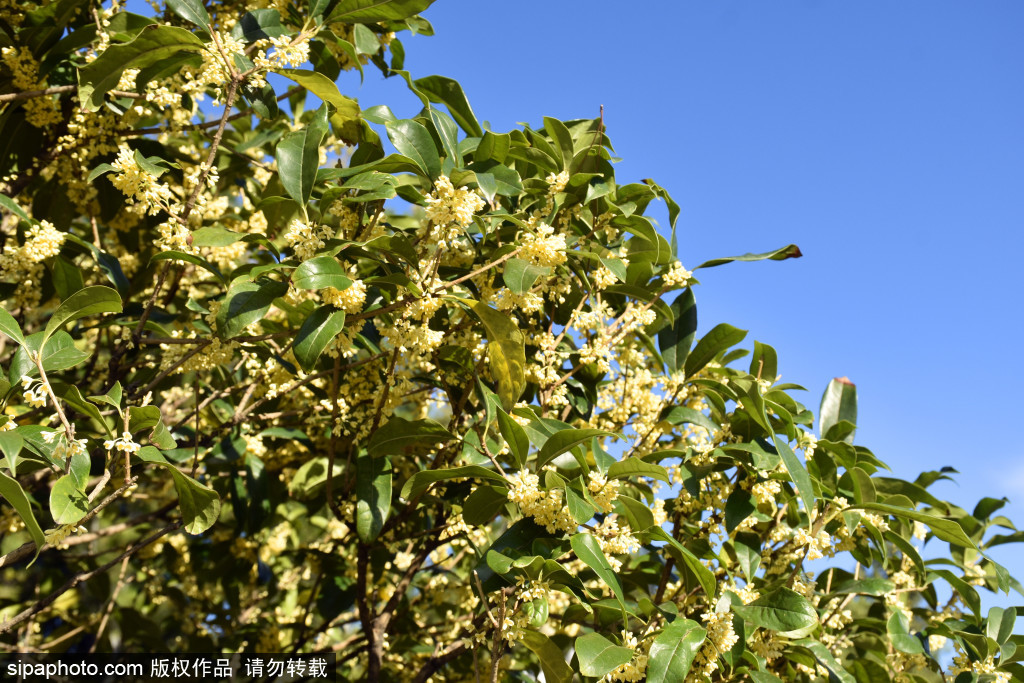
x: 58, y: 354
x: 151, y: 45
x: 15, y: 495
x: 839, y: 402
x: 520, y: 275
x: 781, y: 610
x: 298, y: 157
x: 11, y: 444
x: 191, y: 10
x: 635, y: 467
x: 589, y: 551
x: 797, y: 472
x: 346, y: 110
x: 789, y: 251
x: 419, y: 482
x: 373, y: 496
x: 562, y: 137
x: 720, y: 338
x: 764, y: 362
x: 827, y: 660
x: 317, y: 331
x: 259, y: 24
x: 506, y: 351
x: 68, y: 504
x: 552, y: 660
x: 675, y: 340
x: 449, y: 134
x: 399, y: 435
x: 200, y: 505
x: 413, y: 140
x: 246, y: 303
x: 446, y: 91
x: 673, y: 651
x: 900, y: 636
x: 483, y: 504
x: 372, y: 11
x: 704, y: 575
x: 320, y: 272
x: 194, y: 259
x: 493, y: 146
x: 10, y: 327
x: 84, y: 302
x: 565, y: 440
x: 515, y: 436
x: 67, y: 278
x: 944, y: 528
x: 12, y: 206
x: 599, y: 656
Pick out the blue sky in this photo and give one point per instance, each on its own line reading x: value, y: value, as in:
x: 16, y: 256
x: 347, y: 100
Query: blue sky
x: 885, y: 139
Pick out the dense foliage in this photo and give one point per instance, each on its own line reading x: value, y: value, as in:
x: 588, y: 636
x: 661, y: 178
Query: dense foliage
x: 247, y: 406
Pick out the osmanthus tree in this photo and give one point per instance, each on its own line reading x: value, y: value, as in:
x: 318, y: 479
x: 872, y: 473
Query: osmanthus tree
x: 249, y: 407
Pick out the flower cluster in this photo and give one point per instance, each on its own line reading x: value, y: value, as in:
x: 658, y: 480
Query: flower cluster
x: 546, y: 507
x: 35, y: 397
x: 123, y: 444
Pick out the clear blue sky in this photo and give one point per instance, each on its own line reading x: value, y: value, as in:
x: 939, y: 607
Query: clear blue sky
x: 886, y: 139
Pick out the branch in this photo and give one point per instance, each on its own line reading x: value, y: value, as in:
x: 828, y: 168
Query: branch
x: 81, y: 578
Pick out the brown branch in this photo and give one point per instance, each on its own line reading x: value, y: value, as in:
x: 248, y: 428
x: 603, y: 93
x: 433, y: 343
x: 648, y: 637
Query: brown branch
x: 81, y: 578
x: 110, y: 605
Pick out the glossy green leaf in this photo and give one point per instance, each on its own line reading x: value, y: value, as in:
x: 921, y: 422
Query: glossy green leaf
x: 515, y: 436
x: 373, y: 496
x: 828, y: 660
x: 11, y: 444
x: 246, y: 303
x: 194, y: 259
x: 483, y: 504
x: 320, y: 272
x: 371, y: 11
x: 676, y: 339
x: 298, y: 157
x: 11, y: 490
x: 413, y: 140
x: 900, y: 636
x: 839, y: 402
x: 259, y: 24
x: 191, y: 10
x: 704, y: 575
x: 635, y: 467
x: 599, y: 656
x: 506, y: 352
x: 589, y: 551
x: 67, y: 278
x: 200, y: 505
x: 419, y: 482
x: 59, y: 354
x: 552, y: 660
x: 446, y: 91
x: 721, y: 337
x: 152, y: 44
x: 567, y: 439
x: 68, y: 503
x: 789, y: 251
x: 780, y: 610
x: 520, y: 275
x: 85, y: 302
x: 944, y: 528
x: 346, y: 109
x: 10, y: 327
x: 399, y: 435
x: 318, y: 330
x: 797, y: 472
x: 673, y: 651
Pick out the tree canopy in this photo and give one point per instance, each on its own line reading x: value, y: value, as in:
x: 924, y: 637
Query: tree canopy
x: 279, y: 373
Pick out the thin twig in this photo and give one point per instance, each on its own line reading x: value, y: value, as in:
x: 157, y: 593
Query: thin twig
x: 81, y: 578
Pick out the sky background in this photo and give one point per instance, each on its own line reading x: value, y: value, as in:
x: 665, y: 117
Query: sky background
x: 885, y: 139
